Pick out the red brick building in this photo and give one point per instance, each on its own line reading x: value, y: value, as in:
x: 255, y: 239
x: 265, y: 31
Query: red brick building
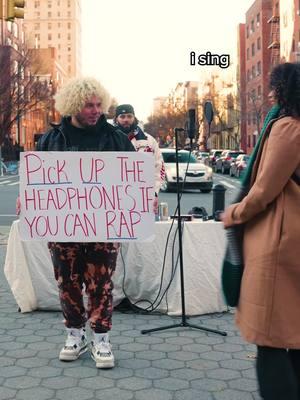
x: 255, y: 70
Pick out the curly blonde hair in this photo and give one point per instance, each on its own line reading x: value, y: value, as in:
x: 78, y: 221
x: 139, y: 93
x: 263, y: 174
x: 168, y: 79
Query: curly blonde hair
x: 71, y: 98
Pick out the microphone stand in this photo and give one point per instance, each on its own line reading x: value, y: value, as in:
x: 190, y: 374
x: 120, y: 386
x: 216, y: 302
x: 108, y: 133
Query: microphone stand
x: 183, y: 322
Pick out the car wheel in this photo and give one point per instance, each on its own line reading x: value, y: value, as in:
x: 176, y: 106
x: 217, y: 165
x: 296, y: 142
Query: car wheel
x: 165, y: 186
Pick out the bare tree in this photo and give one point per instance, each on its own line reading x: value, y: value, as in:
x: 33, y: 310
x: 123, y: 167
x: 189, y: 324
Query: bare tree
x: 22, y: 89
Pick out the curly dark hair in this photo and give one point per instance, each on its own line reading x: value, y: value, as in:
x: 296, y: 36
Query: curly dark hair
x: 285, y: 81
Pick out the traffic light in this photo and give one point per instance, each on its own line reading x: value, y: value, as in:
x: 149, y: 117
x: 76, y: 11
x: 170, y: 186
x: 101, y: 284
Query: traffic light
x: 14, y: 9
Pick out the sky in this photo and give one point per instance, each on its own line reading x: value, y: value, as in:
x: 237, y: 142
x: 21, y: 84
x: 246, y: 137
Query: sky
x: 140, y: 49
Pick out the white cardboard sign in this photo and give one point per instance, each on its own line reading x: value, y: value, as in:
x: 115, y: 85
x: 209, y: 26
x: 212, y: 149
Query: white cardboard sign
x: 86, y: 196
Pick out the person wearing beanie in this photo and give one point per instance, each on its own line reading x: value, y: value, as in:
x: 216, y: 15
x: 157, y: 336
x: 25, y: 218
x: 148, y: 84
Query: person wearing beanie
x: 127, y: 122
x: 83, y: 127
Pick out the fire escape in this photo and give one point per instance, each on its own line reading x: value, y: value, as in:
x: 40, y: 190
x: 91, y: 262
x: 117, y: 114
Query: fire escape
x: 274, y: 45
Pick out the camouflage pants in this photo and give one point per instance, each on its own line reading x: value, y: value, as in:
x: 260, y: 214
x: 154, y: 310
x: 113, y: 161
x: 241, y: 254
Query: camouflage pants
x: 91, y: 265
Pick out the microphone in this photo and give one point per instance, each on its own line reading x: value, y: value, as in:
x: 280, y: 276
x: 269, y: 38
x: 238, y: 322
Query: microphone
x: 191, y: 123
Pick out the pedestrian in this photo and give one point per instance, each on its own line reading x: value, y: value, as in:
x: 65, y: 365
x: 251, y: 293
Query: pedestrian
x: 267, y: 312
x: 83, y: 127
x: 127, y: 122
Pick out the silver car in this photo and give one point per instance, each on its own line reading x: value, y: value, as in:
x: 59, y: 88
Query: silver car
x: 192, y: 174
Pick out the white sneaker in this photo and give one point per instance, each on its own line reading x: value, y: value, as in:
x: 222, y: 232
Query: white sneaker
x: 76, y: 344
x: 101, y: 351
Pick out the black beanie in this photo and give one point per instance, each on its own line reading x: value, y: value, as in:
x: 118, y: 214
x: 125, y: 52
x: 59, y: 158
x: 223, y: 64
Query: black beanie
x: 124, y: 109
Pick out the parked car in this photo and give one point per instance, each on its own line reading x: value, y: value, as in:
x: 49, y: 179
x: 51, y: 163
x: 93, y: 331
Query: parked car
x: 223, y: 163
x: 202, y: 155
x: 239, y: 165
x: 196, y: 176
x: 213, y: 155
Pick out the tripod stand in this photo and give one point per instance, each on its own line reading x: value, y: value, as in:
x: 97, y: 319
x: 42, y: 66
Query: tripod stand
x: 183, y: 322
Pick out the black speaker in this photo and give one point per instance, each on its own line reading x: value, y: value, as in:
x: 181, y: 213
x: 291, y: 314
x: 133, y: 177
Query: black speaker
x: 191, y: 123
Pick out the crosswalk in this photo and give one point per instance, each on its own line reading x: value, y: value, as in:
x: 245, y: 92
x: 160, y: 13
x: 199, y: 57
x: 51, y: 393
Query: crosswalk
x: 13, y: 181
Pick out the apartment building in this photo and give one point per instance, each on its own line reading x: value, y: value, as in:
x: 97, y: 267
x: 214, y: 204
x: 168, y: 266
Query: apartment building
x: 56, y: 23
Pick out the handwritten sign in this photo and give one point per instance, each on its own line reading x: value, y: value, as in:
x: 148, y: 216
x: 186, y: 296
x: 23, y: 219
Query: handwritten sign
x: 86, y: 196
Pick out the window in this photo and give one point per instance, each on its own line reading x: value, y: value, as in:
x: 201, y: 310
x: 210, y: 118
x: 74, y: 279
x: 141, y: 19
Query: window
x: 36, y: 4
x: 58, y: 24
x: 253, y: 94
x: 49, y: 25
x: 254, y: 140
x: 258, y: 43
x: 248, y: 54
x: 69, y: 36
x: 252, y: 26
x: 58, y: 36
x: 69, y: 14
x: 69, y: 3
x: 247, y: 31
x: 49, y: 14
x: 253, y: 118
x: 58, y: 13
x: 49, y: 4
x: 69, y: 25
x: 253, y: 49
x: 37, y: 26
x: 49, y: 36
x: 59, y: 46
x: 258, y: 19
x: 58, y: 3
x: 37, y: 36
x: 258, y: 68
x: 248, y: 75
x: 259, y: 92
x: 253, y: 72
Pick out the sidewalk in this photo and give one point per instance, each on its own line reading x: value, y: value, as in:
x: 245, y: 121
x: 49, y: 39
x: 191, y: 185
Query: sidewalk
x: 175, y: 364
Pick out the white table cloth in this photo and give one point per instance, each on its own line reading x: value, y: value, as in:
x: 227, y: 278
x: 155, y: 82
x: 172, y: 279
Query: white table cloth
x: 138, y: 276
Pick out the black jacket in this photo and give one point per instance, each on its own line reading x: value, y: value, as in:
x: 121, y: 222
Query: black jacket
x: 110, y: 138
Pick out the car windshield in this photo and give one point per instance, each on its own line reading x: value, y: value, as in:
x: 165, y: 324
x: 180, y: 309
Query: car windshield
x: 183, y: 157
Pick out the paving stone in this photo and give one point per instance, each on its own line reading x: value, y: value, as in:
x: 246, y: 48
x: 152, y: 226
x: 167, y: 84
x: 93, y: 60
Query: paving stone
x: 117, y: 373
x: 223, y: 373
x: 192, y: 394
x: 133, y: 363
x: 151, y: 355
x: 44, y: 372
x: 60, y: 382
x: 156, y: 394
x: 7, y: 338
x: 229, y: 394
x: 9, y: 372
x: 41, y: 346
x: 134, y: 347
x: 12, y: 345
x: 31, y: 362
x: 209, y: 340
x: 180, y: 340
x: 6, y: 393
x: 187, y: 374
x: 249, y: 373
x: 244, y: 384
x: 228, y: 347
x: 114, y: 394
x: 97, y: 382
x: 6, y: 361
x: 209, y: 385
x: 196, y: 348
x: 183, y: 355
x: 132, y: 333
x: 149, y: 340
x: 165, y: 347
x: 75, y: 393
x: 134, y: 383
x: 121, y: 339
x: 29, y: 339
x: 20, y: 332
x: 21, y: 353
x: 21, y: 382
x: 35, y: 393
x: 168, y: 364
x: 81, y: 372
x: 216, y: 355
x: 170, y: 384
x: 202, y: 364
x: 123, y: 355
x: 236, y: 364
x: 152, y: 373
